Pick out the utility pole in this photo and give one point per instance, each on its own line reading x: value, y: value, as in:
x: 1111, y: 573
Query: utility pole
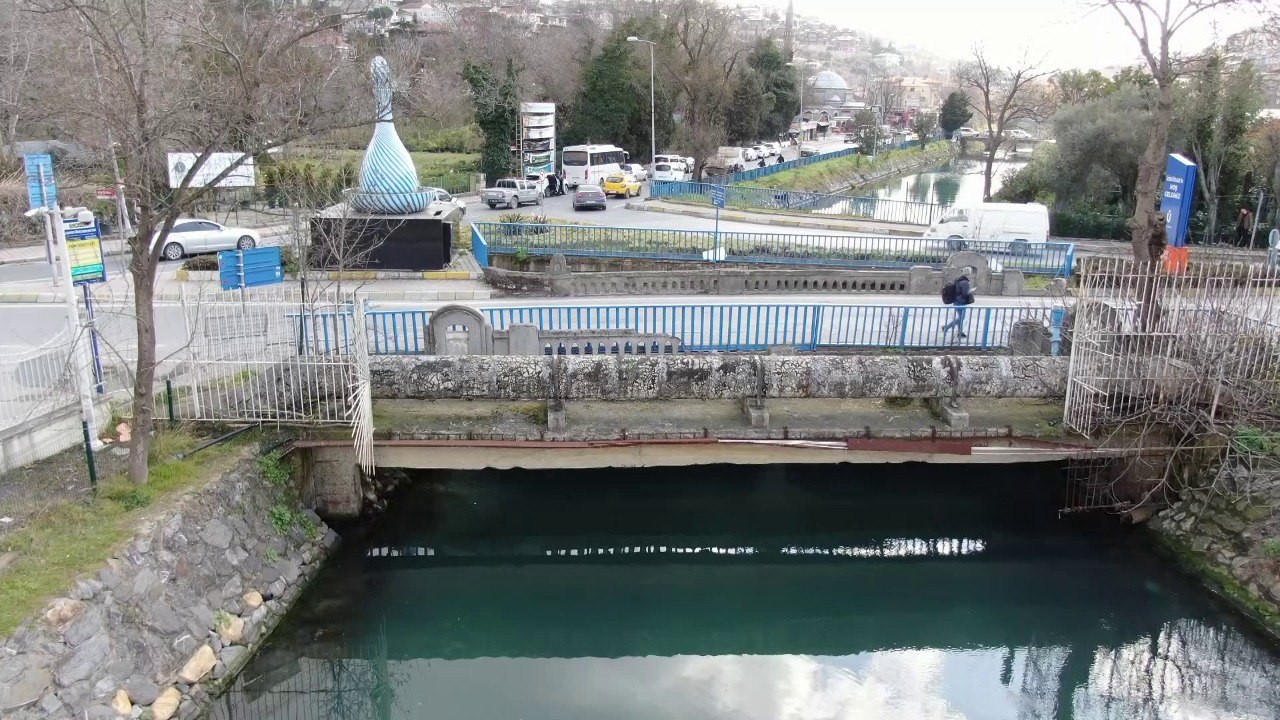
x: 788, y: 36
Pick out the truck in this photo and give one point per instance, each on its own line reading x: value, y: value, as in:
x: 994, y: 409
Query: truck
x: 512, y: 192
x: 1007, y: 222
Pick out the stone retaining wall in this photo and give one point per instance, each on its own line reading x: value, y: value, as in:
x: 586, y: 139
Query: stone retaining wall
x: 1226, y: 542
x: 177, y: 611
x: 710, y: 377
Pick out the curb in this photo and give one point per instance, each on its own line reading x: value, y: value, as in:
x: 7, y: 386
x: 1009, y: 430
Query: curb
x: 375, y: 296
x: 764, y: 220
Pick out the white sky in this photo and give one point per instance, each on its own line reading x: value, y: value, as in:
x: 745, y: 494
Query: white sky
x: 1067, y: 33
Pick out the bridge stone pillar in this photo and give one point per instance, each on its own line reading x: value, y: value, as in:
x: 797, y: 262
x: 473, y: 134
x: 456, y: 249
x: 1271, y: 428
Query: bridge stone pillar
x: 522, y: 339
x: 1014, y: 282
x: 950, y: 412
x: 920, y: 280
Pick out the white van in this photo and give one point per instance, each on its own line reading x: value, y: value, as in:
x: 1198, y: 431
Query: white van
x: 1020, y: 222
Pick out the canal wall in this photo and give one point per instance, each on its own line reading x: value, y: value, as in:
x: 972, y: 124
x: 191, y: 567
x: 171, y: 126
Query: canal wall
x: 175, y: 613
x: 1233, y: 544
x: 843, y: 176
x: 715, y: 377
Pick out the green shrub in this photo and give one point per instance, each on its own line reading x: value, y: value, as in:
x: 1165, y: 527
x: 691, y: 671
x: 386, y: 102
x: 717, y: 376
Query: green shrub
x: 1271, y: 548
x: 201, y: 263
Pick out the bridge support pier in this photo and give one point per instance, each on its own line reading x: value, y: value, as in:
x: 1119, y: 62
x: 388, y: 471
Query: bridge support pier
x: 950, y: 411
x: 556, y: 421
x: 757, y: 412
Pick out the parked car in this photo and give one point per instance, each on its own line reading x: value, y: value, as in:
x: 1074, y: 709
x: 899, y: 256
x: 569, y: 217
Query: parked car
x: 621, y: 184
x: 850, y: 139
x: 965, y: 132
x: 636, y: 170
x: 542, y: 182
x: 807, y: 150
x: 191, y: 236
x: 588, y: 196
x: 512, y: 192
x: 669, y: 172
x: 1017, y: 134
x: 750, y: 154
x: 761, y: 151
x: 444, y: 196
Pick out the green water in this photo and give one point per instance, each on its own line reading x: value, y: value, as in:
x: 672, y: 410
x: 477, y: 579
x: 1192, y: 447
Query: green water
x: 769, y: 593
x: 958, y: 182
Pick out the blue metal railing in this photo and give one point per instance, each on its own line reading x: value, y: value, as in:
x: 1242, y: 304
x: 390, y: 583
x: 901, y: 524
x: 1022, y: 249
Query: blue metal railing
x: 708, y: 327
x: 479, y: 248
x: 850, y: 251
x: 754, y: 198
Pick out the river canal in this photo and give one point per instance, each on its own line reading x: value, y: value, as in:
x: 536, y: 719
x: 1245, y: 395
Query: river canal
x: 912, y: 592
x: 958, y: 182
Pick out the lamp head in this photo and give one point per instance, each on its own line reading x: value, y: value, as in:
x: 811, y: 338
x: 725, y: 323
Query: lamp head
x: 633, y: 38
x: 35, y: 212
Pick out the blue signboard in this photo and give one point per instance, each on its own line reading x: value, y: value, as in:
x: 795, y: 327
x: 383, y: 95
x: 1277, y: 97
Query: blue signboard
x: 1177, y: 197
x: 717, y: 196
x: 240, y: 269
x: 42, y: 190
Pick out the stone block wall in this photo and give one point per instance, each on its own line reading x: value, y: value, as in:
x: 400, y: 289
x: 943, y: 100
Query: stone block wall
x: 177, y: 610
x: 715, y: 377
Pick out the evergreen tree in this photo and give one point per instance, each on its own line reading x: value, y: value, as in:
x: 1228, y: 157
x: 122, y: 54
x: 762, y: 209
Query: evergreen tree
x: 955, y: 113
x: 781, y: 91
x: 496, y: 114
x: 612, y: 103
x: 747, y: 108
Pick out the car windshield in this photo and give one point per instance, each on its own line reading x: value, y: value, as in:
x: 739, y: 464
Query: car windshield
x: 614, y: 178
x: 955, y: 217
x: 588, y: 189
x: 661, y: 167
x: 575, y: 158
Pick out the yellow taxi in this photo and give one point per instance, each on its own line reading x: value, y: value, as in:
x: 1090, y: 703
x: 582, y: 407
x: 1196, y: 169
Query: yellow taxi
x: 621, y: 184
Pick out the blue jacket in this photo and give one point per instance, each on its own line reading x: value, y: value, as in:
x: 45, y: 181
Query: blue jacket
x: 964, y: 291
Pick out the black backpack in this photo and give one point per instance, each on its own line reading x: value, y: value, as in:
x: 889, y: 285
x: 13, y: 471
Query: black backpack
x: 949, y: 293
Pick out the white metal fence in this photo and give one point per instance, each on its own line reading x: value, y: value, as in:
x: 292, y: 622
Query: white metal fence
x: 38, y: 390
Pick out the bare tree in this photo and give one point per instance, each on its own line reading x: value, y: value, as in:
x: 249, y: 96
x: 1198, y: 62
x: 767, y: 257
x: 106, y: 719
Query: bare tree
x: 1153, y: 25
x: 1002, y: 96
x: 200, y: 76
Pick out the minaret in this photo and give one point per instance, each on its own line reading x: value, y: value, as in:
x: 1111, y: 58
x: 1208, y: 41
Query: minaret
x: 788, y: 37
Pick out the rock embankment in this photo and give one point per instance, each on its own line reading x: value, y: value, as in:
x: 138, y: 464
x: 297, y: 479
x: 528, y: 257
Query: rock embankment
x: 175, y: 613
x: 1232, y: 543
x: 845, y: 175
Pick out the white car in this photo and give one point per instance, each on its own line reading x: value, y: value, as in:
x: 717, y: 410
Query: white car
x: 966, y: 132
x: 1017, y: 134
x: 774, y: 148
x: 762, y: 151
x: 443, y: 196
x: 191, y: 236
x: 637, y: 170
x: 750, y: 154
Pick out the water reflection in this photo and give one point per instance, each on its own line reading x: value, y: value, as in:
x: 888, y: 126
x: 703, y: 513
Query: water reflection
x: 920, y: 593
x: 958, y: 182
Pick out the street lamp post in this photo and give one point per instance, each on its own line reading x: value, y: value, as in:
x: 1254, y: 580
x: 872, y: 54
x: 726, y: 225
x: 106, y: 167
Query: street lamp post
x: 653, y: 107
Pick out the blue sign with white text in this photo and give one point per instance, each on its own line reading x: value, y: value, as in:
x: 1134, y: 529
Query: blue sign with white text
x: 239, y: 269
x: 717, y: 196
x: 1177, y: 196
x: 42, y: 190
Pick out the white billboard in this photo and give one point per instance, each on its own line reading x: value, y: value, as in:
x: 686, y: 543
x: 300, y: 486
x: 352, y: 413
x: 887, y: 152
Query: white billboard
x: 242, y: 176
x: 538, y: 108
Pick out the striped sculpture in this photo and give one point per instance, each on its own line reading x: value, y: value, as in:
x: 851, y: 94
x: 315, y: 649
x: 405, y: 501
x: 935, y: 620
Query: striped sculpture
x: 388, y: 179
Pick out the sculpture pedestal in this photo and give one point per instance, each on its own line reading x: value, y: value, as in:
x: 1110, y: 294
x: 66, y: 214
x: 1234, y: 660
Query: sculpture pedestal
x: 342, y: 238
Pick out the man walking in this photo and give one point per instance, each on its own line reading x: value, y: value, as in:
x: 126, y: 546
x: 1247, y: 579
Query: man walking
x: 958, y: 294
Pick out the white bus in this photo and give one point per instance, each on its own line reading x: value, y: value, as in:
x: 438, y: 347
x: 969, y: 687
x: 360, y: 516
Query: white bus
x: 591, y: 164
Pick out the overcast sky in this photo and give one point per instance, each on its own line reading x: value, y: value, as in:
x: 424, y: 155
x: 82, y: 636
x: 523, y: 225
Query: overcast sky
x: 1066, y: 32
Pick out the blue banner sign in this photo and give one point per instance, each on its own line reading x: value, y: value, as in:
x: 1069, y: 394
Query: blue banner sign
x: 717, y: 196
x: 42, y: 190
x: 1177, y: 197
x: 240, y: 269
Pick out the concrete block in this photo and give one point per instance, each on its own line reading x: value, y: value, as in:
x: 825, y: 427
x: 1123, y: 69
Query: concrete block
x: 557, y: 423
x: 950, y: 412
x: 523, y: 340
x: 1014, y: 282
x: 757, y: 412
x: 920, y: 280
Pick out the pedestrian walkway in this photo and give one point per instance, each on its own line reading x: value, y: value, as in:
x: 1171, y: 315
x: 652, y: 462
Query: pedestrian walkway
x: 22, y: 254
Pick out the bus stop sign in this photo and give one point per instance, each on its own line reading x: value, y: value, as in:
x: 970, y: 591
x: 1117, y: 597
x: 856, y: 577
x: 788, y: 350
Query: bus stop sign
x: 717, y: 196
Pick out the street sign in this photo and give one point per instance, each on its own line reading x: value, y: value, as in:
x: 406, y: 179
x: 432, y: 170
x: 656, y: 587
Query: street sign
x: 84, y: 252
x: 240, y: 269
x: 717, y: 196
x: 42, y: 190
x: 105, y: 193
x: 1177, y: 197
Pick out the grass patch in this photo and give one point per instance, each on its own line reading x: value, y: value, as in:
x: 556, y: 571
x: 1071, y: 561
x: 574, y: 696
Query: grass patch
x: 1037, y: 282
x: 1271, y: 548
x: 74, y: 536
x: 849, y: 170
x: 430, y: 165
